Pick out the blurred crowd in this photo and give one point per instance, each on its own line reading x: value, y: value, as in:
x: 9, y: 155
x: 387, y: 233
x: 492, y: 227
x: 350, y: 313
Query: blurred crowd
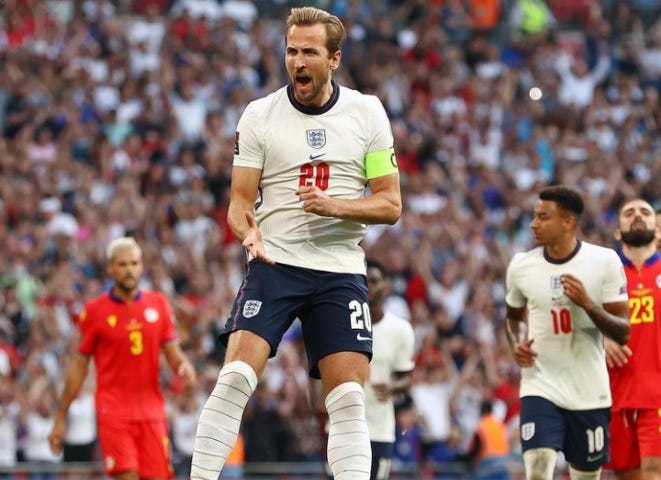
x: 117, y: 118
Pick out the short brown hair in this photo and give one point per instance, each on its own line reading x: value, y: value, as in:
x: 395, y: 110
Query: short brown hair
x: 335, y: 32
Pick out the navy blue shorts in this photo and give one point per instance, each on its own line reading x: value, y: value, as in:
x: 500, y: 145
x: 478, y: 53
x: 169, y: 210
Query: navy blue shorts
x: 332, y: 308
x: 582, y: 435
x: 381, y: 460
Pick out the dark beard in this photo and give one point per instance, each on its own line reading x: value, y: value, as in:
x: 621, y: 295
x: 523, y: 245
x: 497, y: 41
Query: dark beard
x: 125, y: 290
x: 638, y: 238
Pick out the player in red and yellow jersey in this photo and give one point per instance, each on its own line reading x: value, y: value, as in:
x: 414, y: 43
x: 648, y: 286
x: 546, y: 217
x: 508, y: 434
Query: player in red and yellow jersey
x: 124, y: 331
x: 635, y: 369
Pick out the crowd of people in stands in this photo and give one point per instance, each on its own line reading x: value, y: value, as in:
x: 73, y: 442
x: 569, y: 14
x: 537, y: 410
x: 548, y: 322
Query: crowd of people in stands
x: 118, y: 117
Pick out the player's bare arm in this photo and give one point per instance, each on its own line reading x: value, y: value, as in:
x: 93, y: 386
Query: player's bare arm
x: 73, y: 382
x: 521, y: 347
x: 179, y: 363
x: 240, y: 214
x: 383, y: 205
x: 612, y: 319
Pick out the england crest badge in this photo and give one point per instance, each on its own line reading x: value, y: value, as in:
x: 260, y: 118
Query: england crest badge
x: 527, y: 431
x: 251, y: 308
x: 316, y: 137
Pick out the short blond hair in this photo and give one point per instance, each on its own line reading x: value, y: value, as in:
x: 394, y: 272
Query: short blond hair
x: 121, y: 243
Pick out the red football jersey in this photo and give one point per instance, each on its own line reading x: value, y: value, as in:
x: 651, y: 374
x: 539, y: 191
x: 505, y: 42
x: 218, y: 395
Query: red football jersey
x: 125, y: 341
x: 638, y: 383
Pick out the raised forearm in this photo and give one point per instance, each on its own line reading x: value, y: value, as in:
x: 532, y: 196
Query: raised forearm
x: 382, y: 207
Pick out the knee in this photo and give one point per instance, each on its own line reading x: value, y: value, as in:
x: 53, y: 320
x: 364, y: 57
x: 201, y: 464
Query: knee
x: 539, y: 463
x: 343, y: 367
x: 343, y: 391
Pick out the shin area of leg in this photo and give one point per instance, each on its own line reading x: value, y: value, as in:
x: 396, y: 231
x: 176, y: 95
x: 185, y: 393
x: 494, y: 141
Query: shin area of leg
x: 220, y: 419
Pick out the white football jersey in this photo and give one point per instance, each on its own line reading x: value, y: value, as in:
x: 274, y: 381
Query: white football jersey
x: 295, y: 145
x: 570, y: 369
x: 393, y: 349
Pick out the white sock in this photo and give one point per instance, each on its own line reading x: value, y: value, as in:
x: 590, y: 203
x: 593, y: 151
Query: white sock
x: 220, y: 419
x: 580, y: 475
x: 349, y: 451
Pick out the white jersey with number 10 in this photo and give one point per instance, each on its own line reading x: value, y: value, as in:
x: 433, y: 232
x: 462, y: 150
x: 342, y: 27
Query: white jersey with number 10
x: 570, y: 369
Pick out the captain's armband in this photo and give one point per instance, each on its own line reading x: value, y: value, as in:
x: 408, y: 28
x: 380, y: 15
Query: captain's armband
x: 378, y: 164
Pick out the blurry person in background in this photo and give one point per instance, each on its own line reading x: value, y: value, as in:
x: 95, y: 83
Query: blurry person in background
x: 183, y: 420
x: 80, y: 438
x: 489, y: 451
x: 38, y: 420
x: 125, y: 330
x: 9, y: 425
x: 389, y: 372
x: 12, y: 310
x: 658, y: 230
x: 635, y: 368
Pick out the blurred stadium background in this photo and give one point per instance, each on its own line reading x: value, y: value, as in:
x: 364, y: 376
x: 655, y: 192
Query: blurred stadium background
x: 117, y: 118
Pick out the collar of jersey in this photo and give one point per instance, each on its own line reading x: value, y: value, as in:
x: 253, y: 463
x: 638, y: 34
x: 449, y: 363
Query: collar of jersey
x: 116, y: 299
x: 653, y: 258
x: 315, y: 110
x: 558, y: 261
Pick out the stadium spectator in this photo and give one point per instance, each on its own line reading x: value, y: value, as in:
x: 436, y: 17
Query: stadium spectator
x: 183, y: 414
x: 80, y: 441
x: 264, y: 428
x: 490, y: 447
x: 39, y: 420
x: 577, y: 81
x: 532, y: 18
x: 9, y: 426
x: 432, y: 391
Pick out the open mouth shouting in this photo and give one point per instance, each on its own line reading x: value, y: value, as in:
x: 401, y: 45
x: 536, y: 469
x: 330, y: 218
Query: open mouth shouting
x: 302, y: 80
